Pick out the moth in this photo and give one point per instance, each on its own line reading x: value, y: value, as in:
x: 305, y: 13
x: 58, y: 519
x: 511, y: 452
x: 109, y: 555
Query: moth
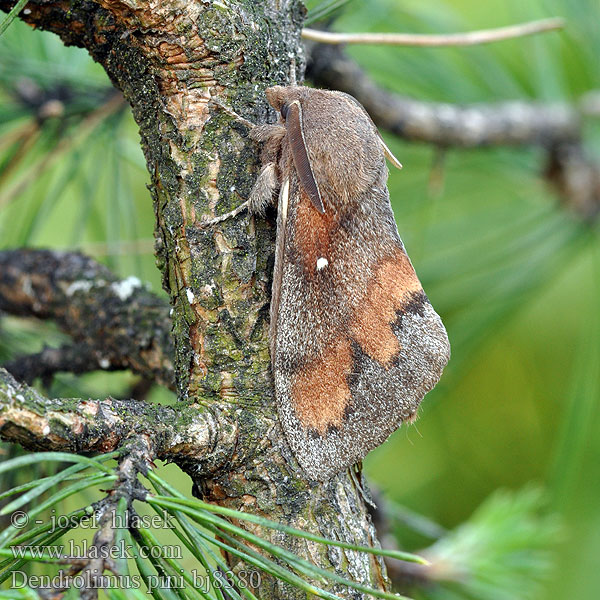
x: 355, y: 343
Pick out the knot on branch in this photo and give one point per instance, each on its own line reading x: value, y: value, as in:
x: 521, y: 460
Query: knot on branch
x: 576, y: 178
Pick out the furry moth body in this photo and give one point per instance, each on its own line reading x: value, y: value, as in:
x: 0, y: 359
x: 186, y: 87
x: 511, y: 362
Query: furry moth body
x: 355, y: 343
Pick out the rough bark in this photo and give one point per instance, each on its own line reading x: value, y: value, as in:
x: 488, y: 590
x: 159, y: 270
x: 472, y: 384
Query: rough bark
x: 169, y: 58
x: 114, y: 323
x: 181, y: 434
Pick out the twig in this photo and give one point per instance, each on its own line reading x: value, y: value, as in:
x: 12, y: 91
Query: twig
x: 470, y: 38
x: 118, y: 323
x: 71, y: 358
x: 82, y: 425
x: 137, y: 460
x: 444, y: 124
x: 576, y: 178
x: 555, y: 127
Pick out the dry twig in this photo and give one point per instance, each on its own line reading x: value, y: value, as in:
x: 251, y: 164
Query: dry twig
x: 469, y: 38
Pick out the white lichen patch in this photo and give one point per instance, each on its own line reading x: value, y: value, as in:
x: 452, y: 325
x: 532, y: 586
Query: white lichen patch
x: 190, y: 295
x: 199, y: 432
x: 125, y: 287
x: 176, y: 440
x: 46, y: 430
x: 28, y: 287
x: 82, y: 285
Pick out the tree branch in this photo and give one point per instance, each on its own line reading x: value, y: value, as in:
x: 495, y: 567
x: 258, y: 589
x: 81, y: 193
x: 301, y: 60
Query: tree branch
x: 555, y: 127
x: 576, y: 178
x: 137, y: 460
x: 443, y: 124
x: 180, y: 434
x: 70, y: 358
x: 115, y: 324
x: 471, y: 38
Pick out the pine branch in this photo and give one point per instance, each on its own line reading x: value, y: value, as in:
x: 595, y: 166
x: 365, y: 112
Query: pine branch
x: 76, y: 425
x: 557, y: 128
x: 443, y: 124
x: 470, y: 38
x: 114, y: 324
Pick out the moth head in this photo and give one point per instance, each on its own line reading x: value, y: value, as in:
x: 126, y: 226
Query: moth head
x: 280, y: 97
x: 336, y: 149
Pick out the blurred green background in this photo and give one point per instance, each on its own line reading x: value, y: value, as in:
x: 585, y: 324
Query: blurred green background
x: 514, y: 274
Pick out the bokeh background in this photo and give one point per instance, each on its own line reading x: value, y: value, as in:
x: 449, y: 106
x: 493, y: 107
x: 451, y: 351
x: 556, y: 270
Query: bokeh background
x: 504, y: 462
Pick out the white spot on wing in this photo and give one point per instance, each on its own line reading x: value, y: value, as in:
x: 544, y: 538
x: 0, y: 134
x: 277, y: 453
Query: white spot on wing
x: 321, y: 263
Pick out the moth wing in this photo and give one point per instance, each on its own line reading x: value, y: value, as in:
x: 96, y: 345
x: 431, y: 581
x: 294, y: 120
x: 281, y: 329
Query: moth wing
x: 388, y: 153
x: 357, y: 343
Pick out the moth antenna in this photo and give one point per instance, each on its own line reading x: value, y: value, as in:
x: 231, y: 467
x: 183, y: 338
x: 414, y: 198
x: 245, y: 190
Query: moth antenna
x: 389, y: 154
x: 233, y: 114
x: 293, y: 122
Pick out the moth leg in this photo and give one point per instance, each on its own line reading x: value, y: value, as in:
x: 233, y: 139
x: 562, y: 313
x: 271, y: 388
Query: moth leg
x: 268, y: 132
x: 264, y: 189
x: 233, y: 213
x: 261, y: 196
x: 267, y: 183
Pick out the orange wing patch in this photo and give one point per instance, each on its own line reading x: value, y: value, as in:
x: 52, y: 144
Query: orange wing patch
x: 320, y: 391
x: 313, y: 231
x: 390, y: 289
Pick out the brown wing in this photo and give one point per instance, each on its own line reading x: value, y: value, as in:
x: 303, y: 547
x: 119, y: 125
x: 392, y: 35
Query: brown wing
x: 358, y: 344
